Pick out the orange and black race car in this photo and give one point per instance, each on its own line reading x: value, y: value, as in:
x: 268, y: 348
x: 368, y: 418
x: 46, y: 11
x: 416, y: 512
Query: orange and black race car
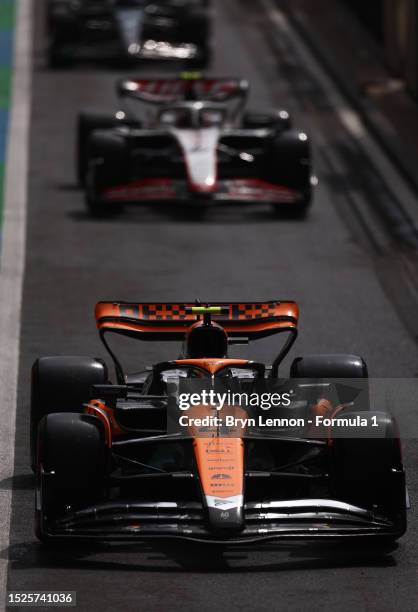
x: 175, y: 452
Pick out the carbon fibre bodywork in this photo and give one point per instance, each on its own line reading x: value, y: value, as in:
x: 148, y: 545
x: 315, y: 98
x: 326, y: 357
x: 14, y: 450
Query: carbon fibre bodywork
x: 129, y: 30
x: 125, y: 466
x: 174, y: 506
x: 198, y: 146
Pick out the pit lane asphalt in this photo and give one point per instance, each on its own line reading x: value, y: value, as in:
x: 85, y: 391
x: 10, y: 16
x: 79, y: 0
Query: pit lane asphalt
x: 324, y: 263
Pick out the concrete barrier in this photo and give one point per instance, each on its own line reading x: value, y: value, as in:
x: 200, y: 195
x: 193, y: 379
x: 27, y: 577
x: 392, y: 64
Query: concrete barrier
x: 411, y: 64
x: 400, y: 28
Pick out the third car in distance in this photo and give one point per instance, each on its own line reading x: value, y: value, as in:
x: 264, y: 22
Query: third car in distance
x: 129, y: 31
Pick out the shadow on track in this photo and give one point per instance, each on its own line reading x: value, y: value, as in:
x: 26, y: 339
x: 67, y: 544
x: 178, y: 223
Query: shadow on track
x: 21, y: 482
x: 175, y: 213
x: 187, y: 557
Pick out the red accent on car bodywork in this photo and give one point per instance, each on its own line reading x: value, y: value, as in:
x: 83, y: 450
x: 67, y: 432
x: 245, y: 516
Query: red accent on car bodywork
x: 230, y: 190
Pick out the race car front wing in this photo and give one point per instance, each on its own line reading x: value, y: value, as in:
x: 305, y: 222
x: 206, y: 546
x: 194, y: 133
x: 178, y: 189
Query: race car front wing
x: 228, y: 190
x: 274, y: 520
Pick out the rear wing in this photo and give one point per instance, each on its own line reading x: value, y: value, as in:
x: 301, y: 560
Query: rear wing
x: 192, y: 87
x: 170, y: 321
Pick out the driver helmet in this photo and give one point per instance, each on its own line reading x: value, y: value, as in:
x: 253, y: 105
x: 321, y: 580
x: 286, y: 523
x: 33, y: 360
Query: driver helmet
x: 206, y: 340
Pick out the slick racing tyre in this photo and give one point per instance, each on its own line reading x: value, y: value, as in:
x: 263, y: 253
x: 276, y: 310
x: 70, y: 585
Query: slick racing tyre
x: 347, y: 374
x: 57, y: 57
x: 329, y: 366
x: 72, y: 463
x: 367, y: 468
x: 198, y: 29
x: 203, y: 59
x: 87, y: 122
x: 108, y: 166
x: 61, y: 27
x: 61, y: 384
x: 279, y: 121
x: 289, y: 164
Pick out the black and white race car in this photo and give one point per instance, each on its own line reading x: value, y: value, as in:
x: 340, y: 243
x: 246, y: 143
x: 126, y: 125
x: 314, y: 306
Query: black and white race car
x: 194, y: 144
x: 129, y: 30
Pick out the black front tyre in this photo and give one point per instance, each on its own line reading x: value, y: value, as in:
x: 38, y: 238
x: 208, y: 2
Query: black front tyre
x: 289, y: 164
x: 90, y: 121
x: 61, y: 30
x: 61, y: 384
x: 87, y: 122
x: 199, y: 31
x: 277, y: 120
x: 346, y: 374
x: 72, y: 464
x: 108, y: 166
x: 203, y: 60
x: 368, y: 470
x: 57, y: 58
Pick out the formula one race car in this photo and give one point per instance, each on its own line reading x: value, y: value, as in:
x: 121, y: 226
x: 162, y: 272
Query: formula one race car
x: 197, y: 146
x: 129, y: 30
x: 108, y: 466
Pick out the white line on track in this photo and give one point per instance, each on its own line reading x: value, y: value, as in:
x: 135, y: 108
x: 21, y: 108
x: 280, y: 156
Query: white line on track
x: 348, y: 117
x: 12, y: 262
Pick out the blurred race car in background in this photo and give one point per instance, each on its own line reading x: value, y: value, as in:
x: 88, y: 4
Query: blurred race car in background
x: 108, y: 466
x: 129, y: 30
x: 194, y: 142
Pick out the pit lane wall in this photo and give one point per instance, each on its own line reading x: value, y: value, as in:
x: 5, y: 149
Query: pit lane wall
x: 7, y: 19
x: 394, y: 23
x: 401, y: 40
